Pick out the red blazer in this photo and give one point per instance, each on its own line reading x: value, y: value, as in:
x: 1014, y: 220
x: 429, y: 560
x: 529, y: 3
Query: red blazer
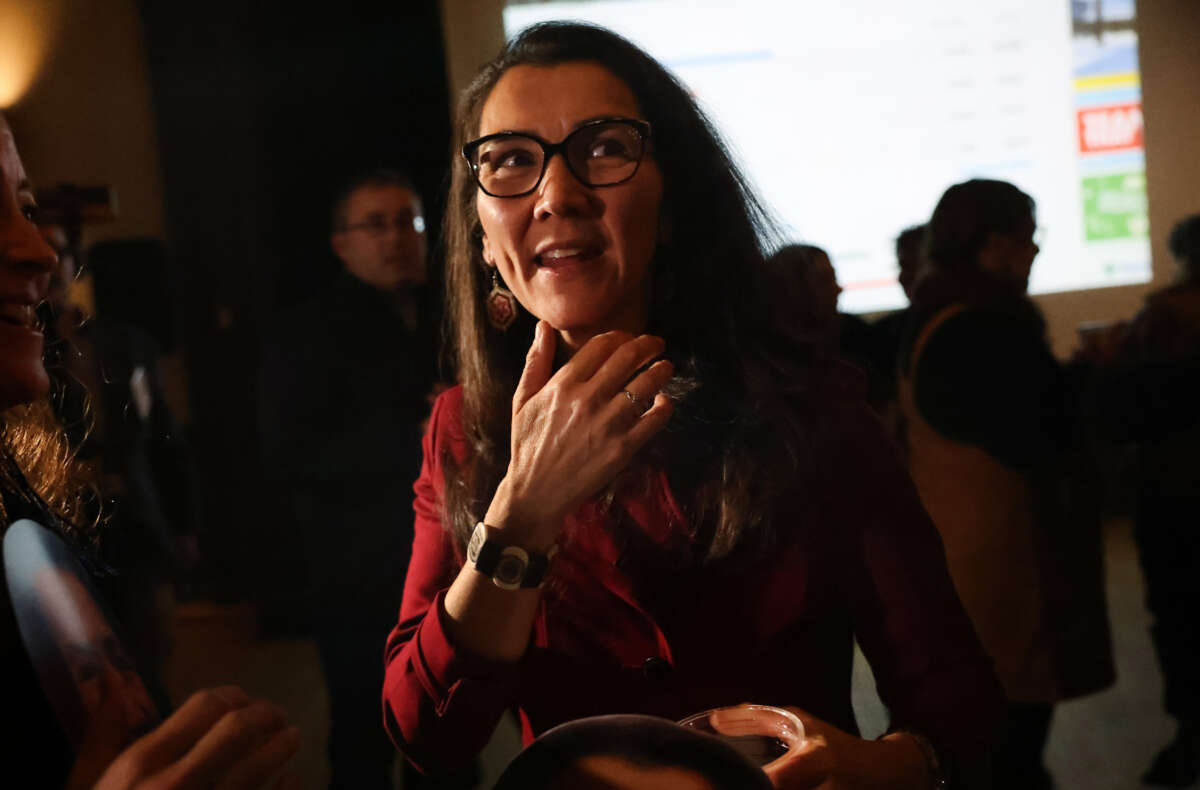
x: 868, y: 564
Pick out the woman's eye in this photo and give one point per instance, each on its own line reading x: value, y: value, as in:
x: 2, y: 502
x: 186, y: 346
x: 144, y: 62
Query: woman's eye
x: 30, y: 213
x: 515, y: 159
x: 507, y: 159
x: 607, y: 147
x: 511, y: 161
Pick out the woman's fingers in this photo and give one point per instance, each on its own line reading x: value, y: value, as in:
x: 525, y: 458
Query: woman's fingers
x: 650, y: 423
x: 539, y: 364
x: 157, y: 752
x: 649, y: 382
x: 175, y: 736
x: 810, y: 767
x: 637, y: 397
x: 260, y: 765
x: 594, y: 353
x: 626, y: 360
x: 235, y: 736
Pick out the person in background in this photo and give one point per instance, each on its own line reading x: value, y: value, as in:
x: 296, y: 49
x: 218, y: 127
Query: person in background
x: 218, y: 737
x: 631, y: 504
x: 346, y: 380
x: 891, y: 327
x: 1148, y: 388
x: 802, y: 285
x: 890, y: 330
x: 992, y: 428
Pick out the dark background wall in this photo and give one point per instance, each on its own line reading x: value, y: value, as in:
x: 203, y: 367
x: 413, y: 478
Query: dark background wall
x: 262, y: 109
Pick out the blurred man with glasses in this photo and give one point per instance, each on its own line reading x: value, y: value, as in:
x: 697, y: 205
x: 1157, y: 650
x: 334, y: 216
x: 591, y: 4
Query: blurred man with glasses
x: 379, y: 232
x: 346, y: 383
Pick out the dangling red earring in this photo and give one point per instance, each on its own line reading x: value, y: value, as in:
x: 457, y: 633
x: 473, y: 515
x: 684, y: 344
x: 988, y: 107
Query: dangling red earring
x: 501, y: 305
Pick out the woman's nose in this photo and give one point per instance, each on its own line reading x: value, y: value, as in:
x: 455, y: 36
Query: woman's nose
x: 21, y: 244
x: 562, y: 194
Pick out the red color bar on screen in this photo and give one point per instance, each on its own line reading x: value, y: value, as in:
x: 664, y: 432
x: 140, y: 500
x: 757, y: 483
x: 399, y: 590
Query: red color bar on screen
x: 1112, y: 127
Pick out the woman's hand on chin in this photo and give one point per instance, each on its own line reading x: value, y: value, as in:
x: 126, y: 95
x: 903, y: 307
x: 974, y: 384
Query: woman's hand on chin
x: 575, y: 429
x: 834, y: 760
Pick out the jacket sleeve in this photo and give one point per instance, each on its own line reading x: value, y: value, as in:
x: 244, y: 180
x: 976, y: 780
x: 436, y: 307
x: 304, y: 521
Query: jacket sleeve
x: 930, y: 668
x: 440, y: 703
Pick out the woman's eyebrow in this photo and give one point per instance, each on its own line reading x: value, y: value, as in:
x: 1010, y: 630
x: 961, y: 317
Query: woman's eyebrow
x: 606, y: 117
x: 578, y: 124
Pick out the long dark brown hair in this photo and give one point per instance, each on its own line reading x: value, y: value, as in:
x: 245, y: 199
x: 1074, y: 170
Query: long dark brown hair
x: 715, y: 232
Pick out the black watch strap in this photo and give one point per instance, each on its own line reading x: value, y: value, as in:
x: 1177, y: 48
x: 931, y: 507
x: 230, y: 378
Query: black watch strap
x: 509, y: 567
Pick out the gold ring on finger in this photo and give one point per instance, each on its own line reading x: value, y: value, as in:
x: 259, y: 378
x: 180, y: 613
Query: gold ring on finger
x: 638, y: 402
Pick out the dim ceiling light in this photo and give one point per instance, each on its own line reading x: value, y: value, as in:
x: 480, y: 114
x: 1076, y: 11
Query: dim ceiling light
x: 27, y: 28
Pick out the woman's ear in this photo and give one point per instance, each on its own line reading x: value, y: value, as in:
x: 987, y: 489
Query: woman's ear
x: 487, y: 251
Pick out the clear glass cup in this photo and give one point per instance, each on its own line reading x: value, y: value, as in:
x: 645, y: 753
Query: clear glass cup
x: 766, y: 735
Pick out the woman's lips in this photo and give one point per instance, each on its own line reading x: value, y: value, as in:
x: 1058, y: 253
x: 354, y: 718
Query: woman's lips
x: 21, y: 316
x: 561, y: 257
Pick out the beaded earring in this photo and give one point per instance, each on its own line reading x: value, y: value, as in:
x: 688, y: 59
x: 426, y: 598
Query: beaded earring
x: 501, y: 305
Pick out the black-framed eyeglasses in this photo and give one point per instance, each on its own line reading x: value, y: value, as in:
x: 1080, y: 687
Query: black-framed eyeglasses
x: 599, y: 153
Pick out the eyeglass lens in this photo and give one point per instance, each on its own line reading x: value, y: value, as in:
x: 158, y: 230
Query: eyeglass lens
x: 598, y: 155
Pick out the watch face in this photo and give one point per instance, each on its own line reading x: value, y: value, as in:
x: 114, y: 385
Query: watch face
x: 476, y: 543
x: 510, y: 570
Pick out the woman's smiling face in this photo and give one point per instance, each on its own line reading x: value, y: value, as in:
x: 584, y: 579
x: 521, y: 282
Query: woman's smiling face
x: 575, y: 256
x: 26, y: 262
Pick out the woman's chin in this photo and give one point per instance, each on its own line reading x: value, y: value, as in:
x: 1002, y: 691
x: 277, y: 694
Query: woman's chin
x: 576, y: 334
x: 22, y: 384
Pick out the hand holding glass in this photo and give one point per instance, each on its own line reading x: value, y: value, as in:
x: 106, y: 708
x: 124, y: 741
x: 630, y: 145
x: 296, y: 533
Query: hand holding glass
x: 766, y: 735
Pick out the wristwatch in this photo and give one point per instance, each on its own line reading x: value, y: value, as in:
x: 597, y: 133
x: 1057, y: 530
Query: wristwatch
x: 936, y: 778
x: 510, y: 567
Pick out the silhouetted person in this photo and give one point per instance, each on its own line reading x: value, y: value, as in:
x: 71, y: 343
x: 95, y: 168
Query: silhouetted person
x: 1148, y: 396
x: 346, y: 380
x: 806, y: 295
x: 991, y: 428
x: 908, y: 261
x: 890, y: 329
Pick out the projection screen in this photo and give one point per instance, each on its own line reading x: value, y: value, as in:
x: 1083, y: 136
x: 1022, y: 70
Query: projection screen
x: 851, y: 117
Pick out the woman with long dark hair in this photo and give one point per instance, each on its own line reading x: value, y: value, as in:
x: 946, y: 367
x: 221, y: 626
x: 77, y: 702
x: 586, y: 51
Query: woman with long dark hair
x: 635, y: 502
x: 216, y: 736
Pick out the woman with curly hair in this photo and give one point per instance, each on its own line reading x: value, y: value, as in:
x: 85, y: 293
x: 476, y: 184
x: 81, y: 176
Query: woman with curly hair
x: 218, y: 737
